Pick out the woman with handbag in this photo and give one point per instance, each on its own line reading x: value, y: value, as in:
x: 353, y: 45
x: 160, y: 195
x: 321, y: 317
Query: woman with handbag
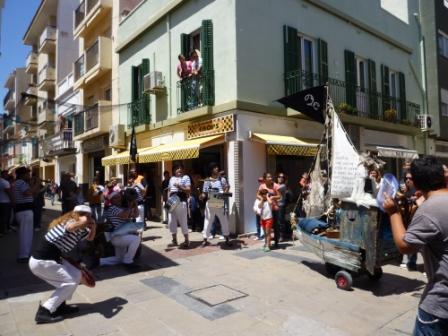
x: 125, y: 243
x: 48, y: 263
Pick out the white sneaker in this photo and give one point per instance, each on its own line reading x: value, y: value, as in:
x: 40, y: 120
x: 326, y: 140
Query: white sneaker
x: 211, y: 237
x: 222, y: 237
x: 403, y: 265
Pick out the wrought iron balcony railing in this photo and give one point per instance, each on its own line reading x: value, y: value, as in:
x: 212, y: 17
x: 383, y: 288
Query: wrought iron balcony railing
x: 139, y: 111
x: 356, y: 100
x: 195, y: 91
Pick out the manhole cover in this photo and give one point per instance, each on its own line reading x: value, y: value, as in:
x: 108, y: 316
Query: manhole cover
x: 216, y: 295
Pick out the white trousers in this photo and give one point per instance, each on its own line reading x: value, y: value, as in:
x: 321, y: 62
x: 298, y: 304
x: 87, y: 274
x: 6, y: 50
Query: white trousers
x: 65, y: 277
x: 141, y: 213
x: 26, y: 231
x: 178, y: 216
x: 125, y: 248
x: 210, y: 214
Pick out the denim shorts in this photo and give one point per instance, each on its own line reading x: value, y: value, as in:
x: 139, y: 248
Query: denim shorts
x: 429, y: 325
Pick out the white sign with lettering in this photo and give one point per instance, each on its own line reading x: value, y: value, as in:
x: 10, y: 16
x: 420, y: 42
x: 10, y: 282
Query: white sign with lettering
x: 345, y: 161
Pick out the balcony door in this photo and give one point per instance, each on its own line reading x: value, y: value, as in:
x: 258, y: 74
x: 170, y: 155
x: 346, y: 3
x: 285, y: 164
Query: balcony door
x: 362, y: 98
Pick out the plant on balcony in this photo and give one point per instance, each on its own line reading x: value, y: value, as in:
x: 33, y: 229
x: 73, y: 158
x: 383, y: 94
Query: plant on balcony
x: 390, y: 114
x: 345, y: 108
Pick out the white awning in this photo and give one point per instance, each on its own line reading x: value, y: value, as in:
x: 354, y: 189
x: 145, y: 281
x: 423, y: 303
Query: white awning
x: 397, y: 152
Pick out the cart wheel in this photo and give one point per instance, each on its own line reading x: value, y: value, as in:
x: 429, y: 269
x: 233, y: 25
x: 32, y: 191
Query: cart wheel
x: 343, y: 280
x: 377, y: 274
x: 331, y: 269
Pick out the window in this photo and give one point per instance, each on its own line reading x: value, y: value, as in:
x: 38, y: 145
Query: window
x: 444, y: 102
x: 394, y: 84
x: 361, y: 73
x: 443, y: 44
x: 308, y: 54
x: 108, y: 94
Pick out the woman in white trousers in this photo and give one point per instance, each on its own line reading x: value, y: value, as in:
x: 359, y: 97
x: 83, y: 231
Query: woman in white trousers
x: 47, y: 261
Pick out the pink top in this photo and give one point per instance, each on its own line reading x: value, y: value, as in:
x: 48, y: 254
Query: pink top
x: 184, y: 69
x: 273, y: 191
x: 108, y: 191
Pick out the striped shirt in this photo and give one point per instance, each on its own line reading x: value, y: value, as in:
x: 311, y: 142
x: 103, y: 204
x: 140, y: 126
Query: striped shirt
x: 112, y: 215
x: 64, y: 240
x: 184, y: 181
x: 20, y: 188
x: 215, y: 184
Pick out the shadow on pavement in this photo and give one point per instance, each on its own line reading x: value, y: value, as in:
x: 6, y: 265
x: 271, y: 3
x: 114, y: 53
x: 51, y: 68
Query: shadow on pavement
x: 108, y: 308
x: 389, y: 284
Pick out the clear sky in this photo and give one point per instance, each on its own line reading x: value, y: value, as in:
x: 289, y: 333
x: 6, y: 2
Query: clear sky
x: 16, y: 17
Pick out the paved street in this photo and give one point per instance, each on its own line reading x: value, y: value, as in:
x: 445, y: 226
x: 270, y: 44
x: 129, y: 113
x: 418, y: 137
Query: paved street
x: 213, y: 291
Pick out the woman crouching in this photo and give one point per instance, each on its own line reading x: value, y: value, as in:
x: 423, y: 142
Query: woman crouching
x: 48, y: 264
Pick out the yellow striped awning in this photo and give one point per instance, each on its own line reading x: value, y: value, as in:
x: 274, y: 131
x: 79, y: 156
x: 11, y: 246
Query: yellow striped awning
x: 287, y: 145
x: 114, y: 159
x: 182, y: 150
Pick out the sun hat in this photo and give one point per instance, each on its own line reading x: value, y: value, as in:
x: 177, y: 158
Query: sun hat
x: 82, y: 208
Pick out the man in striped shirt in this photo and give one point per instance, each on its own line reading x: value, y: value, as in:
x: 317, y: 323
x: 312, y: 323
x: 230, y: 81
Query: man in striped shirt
x: 218, y: 184
x: 180, y: 186
x: 125, y: 245
x: 23, y: 195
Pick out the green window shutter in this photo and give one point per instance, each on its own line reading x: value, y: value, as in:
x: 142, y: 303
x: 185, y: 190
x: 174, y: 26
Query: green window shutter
x: 350, y: 77
x: 208, y: 72
x: 373, y: 98
x: 322, y: 51
x: 144, y: 115
x: 402, y: 84
x: 134, y: 95
x: 185, y: 45
x: 292, y: 60
x: 385, y: 87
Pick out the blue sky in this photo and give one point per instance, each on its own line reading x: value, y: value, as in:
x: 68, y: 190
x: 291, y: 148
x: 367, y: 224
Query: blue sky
x: 16, y: 17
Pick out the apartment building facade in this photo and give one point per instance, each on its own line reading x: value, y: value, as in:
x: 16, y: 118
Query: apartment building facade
x: 92, y: 76
x: 19, y: 127
x: 433, y: 20
x: 253, y: 53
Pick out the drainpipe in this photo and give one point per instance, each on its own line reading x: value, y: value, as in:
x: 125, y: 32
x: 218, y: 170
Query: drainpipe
x: 422, y: 46
x: 168, y: 29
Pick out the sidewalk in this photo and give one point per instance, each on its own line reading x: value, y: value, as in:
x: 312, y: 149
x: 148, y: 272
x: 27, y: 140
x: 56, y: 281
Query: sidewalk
x: 213, y: 291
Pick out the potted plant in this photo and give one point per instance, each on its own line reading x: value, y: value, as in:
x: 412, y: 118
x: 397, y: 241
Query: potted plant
x: 390, y: 114
x: 345, y: 108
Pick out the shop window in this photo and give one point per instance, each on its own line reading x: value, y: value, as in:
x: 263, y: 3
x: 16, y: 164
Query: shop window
x: 444, y: 102
x: 443, y: 44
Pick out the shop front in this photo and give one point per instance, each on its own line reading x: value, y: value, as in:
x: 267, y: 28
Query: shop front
x: 93, y: 150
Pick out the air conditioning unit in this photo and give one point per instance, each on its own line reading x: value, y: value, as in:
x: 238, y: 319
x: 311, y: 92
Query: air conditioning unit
x: 425, y: 121
x: 153, y: 80
x: 117, y: 136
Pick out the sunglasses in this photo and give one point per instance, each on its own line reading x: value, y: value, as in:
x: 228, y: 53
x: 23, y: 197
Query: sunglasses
x: 408, y: 178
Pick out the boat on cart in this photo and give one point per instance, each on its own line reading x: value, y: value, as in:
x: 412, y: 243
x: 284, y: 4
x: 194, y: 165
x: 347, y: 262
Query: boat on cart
x: 343, y: 225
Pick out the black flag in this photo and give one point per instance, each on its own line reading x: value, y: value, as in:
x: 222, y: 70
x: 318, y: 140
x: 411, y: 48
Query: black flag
x: 133, y: 148
x: 310, y: 102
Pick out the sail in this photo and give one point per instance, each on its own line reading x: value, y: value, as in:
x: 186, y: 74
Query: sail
x: 344, y: 159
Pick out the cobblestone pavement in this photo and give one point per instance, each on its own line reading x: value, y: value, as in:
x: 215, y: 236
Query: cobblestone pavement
x: 213, y: 291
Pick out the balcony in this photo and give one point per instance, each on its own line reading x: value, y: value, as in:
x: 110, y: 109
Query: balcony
x: 46, y: 113
x: 31, y: 63
x: 31, y: 97
x: 9, y: 102
x: 88, y: 14
x: 60, y: 144
x: 192, y: 92
x: 94, y: 121
x: 357, y: 101
x: 139, y: 112
x: 47, y: 78
x: 47, y: 41
x: 96, y: 61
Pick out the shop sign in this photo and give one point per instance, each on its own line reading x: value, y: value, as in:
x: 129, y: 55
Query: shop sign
x: 94, y: 145
x: 213, y: 126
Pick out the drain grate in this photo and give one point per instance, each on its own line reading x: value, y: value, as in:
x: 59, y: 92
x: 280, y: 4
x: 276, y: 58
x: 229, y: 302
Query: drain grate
x: 216, y: 295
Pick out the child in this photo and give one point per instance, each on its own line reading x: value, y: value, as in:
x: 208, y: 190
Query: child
x: 267, y: 220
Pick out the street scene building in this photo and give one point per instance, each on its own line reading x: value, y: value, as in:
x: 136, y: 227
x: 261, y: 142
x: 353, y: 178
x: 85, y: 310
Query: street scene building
x: 141, y: 113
